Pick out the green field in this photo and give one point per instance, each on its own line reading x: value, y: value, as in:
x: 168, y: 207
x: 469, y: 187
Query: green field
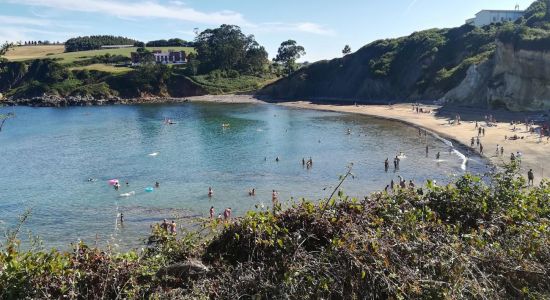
x: 103, y: 68
x: 56, y: 51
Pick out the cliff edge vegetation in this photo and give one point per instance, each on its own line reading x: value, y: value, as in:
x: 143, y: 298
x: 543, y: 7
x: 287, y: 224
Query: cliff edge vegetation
x: 472, y: 239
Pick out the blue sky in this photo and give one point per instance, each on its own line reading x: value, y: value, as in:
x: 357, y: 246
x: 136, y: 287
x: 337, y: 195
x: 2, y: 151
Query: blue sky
x: 323, y: 27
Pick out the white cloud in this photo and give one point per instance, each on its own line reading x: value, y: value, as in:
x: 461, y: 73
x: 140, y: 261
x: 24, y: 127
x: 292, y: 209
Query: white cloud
x: 306, y: 27
x: 13, y: 20
x: 174, y: 10
x: 140, y: 10
x: 19, y: 33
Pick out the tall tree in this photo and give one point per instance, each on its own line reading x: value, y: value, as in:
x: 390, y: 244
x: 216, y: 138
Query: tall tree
x: 288, y: 53
x: 346, y: 50
x: 225, y: 48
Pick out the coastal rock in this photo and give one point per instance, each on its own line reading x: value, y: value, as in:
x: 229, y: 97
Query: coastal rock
x: 515, y: 79
x: 189, y: 268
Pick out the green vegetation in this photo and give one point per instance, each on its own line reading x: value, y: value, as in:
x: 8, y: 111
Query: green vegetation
x: 217, y: 82
x: 224, y: 61
x: 71, y: 57
x: 227, y: 49
x: 170, y: 43
x: 424, y: 65
x: 471, y: 239
x: 95, y: 42
x: 288, y: 53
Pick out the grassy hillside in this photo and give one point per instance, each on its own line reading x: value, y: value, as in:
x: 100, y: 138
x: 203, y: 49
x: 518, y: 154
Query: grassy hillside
x: 466, y: 240
x: 422, y: 66
x: 57, y: 52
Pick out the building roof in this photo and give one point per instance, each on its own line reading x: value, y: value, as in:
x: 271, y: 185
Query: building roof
x: 501, y: 11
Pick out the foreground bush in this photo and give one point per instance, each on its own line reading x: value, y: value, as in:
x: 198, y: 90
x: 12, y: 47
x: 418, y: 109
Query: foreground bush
x: 472, y: 239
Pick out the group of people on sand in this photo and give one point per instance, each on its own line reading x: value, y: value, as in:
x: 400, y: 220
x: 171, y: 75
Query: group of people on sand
x: 170, y: 227
x: 226, y: 214
x: 419, y: 110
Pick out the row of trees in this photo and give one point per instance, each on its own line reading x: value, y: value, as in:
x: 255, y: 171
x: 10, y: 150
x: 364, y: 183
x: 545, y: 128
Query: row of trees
x: 34, y: 43
x: 95, y: 42
x: 175, y: 42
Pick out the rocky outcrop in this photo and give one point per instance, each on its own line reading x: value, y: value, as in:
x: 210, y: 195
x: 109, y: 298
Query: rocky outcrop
x: 190, y: 268
x: 515, y: 79
x: 57, y: 101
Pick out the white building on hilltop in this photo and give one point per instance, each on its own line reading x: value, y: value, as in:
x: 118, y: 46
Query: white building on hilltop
x: 487, y: 17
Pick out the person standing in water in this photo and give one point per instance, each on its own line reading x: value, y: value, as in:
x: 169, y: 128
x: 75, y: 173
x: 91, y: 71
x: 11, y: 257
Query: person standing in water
x: 157, y: 184
x: 210, y: 192
x: 121, y: 218
x: 211, y: 212
x: 437, y: 156
x: 386, y: 165
x: 116, y: 186
x: 277, y: 159
x: 173, y: 226
x: 427, y: 150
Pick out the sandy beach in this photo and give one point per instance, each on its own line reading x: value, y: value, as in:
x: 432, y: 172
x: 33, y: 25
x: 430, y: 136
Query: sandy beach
x: 534, y: 152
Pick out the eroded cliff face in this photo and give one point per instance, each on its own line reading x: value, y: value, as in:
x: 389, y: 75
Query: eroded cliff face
x: 516, y: 79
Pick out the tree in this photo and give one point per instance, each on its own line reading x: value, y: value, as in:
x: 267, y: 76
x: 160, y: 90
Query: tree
x: 346, y: 50
x: 4, y: 49
x: 288, y: 53
x: 227, y: 48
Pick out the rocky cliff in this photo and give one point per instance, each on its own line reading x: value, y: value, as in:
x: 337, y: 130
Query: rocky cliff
x: 516, y: 79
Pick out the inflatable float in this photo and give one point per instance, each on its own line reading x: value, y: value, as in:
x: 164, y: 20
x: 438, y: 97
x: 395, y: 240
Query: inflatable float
x: 113, y: 181
x: 149, y: 189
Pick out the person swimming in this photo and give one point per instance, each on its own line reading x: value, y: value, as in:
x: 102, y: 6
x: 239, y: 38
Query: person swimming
x: 157, y: 184
x: 210, y: 192
x: 277, y: 159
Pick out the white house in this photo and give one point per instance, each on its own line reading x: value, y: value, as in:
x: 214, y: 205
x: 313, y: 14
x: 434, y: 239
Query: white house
x: 486, y: 17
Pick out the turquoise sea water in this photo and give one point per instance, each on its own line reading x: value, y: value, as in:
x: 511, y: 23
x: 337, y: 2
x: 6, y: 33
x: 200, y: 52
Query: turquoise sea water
x: 48, y: 154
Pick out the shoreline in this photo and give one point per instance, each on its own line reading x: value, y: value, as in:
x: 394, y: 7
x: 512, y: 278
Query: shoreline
x: 532, y: 150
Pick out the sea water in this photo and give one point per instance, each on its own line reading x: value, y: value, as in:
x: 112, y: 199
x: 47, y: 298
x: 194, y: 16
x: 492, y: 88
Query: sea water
x: 47, y: 156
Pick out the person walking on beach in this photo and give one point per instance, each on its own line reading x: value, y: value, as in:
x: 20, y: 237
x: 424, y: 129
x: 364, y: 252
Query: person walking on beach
x: 512, y: 157
x: 483, y: 131
x: 427, y: 150
x: 386, y: 165
x: 480, y: 148
x: 530, y: 177
x: 472, y: 142
x: 211, y: 212
x: 501, y: 151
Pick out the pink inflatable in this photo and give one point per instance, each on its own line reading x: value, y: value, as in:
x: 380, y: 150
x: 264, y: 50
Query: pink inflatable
x: 113, y: 181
